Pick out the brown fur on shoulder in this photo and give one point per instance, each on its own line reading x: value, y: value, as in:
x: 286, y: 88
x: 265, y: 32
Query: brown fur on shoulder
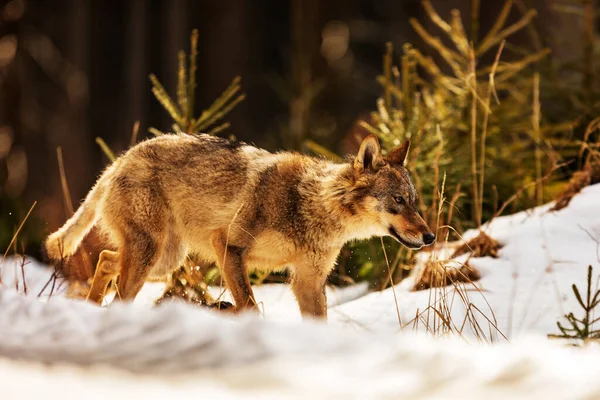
x: 243, y: 208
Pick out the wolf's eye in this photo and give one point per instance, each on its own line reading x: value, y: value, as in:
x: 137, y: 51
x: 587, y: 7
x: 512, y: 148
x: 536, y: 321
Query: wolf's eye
x: 399, y: 199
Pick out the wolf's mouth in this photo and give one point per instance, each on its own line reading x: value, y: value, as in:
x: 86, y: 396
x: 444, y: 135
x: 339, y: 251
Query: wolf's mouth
x: 395, y: 235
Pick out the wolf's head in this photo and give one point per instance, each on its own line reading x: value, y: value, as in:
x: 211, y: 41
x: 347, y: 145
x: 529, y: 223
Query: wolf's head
x: 387, y: 197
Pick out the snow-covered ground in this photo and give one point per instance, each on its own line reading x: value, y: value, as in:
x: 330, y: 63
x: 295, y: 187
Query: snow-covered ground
x: 359, y: 354
x: 180, y: 352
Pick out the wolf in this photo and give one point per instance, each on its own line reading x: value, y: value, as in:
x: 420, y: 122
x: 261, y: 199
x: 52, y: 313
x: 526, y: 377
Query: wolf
x: 242, y: 208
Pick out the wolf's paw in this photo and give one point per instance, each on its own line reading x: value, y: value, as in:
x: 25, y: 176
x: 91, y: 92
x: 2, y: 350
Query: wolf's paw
x: 224, y: 306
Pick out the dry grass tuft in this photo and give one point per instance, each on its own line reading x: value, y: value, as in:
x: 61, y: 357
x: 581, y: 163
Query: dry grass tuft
x: 456, y: 306
x: 437, y: 274
x: 589, y: 175
x: 480, y: 246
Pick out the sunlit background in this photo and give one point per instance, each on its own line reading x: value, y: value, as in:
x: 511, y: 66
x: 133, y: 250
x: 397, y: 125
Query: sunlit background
x: 74, y: 70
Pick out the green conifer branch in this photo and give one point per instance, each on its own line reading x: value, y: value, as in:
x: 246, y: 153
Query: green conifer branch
x: 459, y: 34
x: 448, y: 55
x: 161, y: 95
x: 107, y: 151
x: 407, y: 79
x: 182, y: 94
x: 155, y: 132
x: 387, y: 73
x: 192, y: 75
x: 220, y: 107
x: 495, y: 39
x: 222, y: 112
x: 498, y: 24
x: 219, y: 128
x: 318, y: 149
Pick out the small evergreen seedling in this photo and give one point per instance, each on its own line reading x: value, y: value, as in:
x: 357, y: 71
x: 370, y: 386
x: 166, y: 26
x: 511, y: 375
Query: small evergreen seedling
x: 582, y: 328
x: 182, y: 112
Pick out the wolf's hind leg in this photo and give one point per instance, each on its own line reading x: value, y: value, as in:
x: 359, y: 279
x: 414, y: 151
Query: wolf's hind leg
x: 106, y: 270
x: 231, y: 261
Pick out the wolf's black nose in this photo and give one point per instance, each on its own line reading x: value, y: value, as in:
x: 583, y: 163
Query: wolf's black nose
x: 428, y: 238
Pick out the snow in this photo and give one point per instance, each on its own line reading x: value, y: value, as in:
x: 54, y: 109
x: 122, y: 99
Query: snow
x: 358, y: 354
x: 183, y: 352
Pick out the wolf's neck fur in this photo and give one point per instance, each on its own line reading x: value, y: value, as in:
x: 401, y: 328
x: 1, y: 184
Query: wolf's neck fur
x: 336, y: 184
x: 340, y: 204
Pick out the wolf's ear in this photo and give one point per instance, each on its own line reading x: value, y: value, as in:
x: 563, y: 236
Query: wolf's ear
x: 398, y: 155
x: 369, y: 155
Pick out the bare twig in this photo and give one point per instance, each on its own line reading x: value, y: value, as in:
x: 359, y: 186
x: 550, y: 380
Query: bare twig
x: 392, y: 283
x: 14, y: 238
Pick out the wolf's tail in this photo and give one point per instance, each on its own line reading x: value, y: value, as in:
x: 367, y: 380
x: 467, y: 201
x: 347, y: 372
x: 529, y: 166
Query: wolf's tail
x: 65, y: 241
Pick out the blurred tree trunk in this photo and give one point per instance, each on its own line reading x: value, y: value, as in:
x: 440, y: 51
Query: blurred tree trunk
x: 176, y: 39
x: 137, y: 79
x: 226, y: 51
x: 305, y: 29
x: 60, y: 119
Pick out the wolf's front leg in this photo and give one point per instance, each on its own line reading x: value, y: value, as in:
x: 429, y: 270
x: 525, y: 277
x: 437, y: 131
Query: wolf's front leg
x: 310, y: 294
x: 308, y: 284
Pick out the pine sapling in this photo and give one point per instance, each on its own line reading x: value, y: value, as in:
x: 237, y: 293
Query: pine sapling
x: 582, y: 328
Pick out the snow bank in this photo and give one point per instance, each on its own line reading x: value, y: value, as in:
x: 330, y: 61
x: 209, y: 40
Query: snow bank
x: 180, y: 351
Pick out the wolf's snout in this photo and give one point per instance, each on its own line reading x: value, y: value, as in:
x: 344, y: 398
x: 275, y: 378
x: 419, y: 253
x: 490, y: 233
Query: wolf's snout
x: 428, y: 238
